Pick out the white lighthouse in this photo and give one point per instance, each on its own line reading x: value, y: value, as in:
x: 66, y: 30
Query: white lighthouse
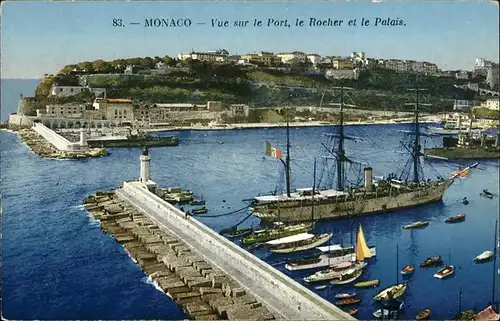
x: 83, y: 137
x: 145, y: 159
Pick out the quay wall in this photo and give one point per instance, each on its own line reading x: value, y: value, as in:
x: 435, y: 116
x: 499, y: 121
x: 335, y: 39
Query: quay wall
x: 283, y: 295
x: 55, y: 139
x: 20, y: 120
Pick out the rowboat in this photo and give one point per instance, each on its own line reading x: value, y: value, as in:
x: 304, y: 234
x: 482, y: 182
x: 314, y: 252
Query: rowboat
x: 321, y: 287
x: 201, y: 210
x: 456, y: 219
x: 378, y: 314
x: 419, y: 224
x: 197, y: 202
x: 366, y: 284
x: 445, y: 272
x: 487, y: 314
x: 299, y: 242
x: 424, y: 314
x: 347, y: 301
x: 431, y: 261
x: 239, y: 233
x: 465, y: 315
x: 484, y: 257
x: 280, y: 231
x: 347, y: 277
x: 334, y: 271
x: 352, y: 311
x: 409, y: 269
x: 392, y: 292
x: 345, y: 295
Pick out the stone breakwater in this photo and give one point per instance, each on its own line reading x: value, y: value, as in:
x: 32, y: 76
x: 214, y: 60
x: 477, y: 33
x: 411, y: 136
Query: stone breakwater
x: 203, y: 291
x: 43, y: 148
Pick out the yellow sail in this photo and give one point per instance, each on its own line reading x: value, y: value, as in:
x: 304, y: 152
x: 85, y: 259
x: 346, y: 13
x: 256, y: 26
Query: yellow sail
x: 362, y: 250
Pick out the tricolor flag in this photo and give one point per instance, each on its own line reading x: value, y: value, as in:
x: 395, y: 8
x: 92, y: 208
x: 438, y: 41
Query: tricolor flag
x: 271, y: 151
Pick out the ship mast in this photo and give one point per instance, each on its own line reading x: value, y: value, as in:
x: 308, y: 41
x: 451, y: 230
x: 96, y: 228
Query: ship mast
x: 341, y: 151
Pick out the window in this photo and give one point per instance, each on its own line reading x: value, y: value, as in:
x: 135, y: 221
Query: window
x: 71, y: 89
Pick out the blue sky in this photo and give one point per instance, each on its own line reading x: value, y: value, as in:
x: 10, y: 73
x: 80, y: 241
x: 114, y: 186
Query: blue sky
x: 42, y: 37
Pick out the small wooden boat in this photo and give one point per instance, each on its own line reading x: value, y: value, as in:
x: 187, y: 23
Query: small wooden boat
x: 366, y: 284
x: 239, y: 233
x: 487, y: 314
x: 347, y: 302
x: 419, y: 224
x: 392, y: 292
x: 197, y: 202
x: 484, y: 257
x: 465, y: 315
x: 424, y: 314
x: 431, y: 261
x: 345, y: 295
x: 201, y: 210
x: 409, y: 269
x: 352, y: 311
x: 474, y: 165
x: 299, y: 242
x: 445, y: 272
x: 321, y: 287
x: 456, y: 219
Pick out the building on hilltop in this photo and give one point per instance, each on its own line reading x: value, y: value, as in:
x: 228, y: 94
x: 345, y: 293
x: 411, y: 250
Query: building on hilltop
x: 66, y: 91
x: 313, y: 58
x: 239, y: 110
x: 210, y: 56
x: 261, y: 58
x: 292, y: 57
x: 408, y: 65
x: 65, y: 110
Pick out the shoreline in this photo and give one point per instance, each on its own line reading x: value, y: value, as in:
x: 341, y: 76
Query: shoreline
x: 239, y: 126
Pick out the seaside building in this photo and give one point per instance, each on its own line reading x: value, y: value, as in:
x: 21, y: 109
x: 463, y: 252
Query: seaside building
x: 342, y: 63
x: 66, y: 91
x: 65, y: 110
x: 239, y: 110
x: 409, y: 65
x: 493, y: 104
x: 115, y: 109
x: 210, y: 56
x: 313, y: 58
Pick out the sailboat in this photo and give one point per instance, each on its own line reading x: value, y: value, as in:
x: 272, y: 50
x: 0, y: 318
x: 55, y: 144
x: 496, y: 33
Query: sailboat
x: 346, y: 270
x: 395, y: 291
x: 373, y: 197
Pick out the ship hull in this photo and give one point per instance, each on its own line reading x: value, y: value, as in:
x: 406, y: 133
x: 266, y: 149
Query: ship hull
x: 326, y: 260
x: 463, y: 153
x: 294, y: 211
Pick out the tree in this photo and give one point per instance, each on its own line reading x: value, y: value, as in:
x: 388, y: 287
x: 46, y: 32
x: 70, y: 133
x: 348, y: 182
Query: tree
x: 101, y: 66
x: 86, y: 66
x: 169, y: 61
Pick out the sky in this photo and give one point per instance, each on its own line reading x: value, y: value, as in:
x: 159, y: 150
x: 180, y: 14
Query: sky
x: 41, y: 37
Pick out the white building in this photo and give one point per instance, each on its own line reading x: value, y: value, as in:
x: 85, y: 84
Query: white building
x: 493, y: 104
x: 239, y: 110
x: 66, y: 110
x: 211, y: 56
x: 313, y: 58
x: 66, y: 91
x: 289, y: 57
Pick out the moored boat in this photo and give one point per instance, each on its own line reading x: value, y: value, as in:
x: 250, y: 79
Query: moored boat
x: 197, y: 202
x: 465, y: 315
x: 300, y: 242
x: 334, y: 271
x: 347, y: 301
x: 352, y: 311
x: 419, y: 224
x: 392, y: 292
x: 347, y: 277
x: 445, y: 272
x: 321, y: 287
x: 409, y: 269
x: 239, y: 233
x: 487, y: 314
x: 276, y: 233
x: 456, y: 219
x: 484, y: 257
x: 366, y: 284
x: 345, y: 295
x: 432, y: 261
x: 201, y: 210
x: 424, y: 314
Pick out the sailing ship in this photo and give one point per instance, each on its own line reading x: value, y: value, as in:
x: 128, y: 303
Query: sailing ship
x: 374, y: 197
x: 299, y: 242
x: 332, y: 254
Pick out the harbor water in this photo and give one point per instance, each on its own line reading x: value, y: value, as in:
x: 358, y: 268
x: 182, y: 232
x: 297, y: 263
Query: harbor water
x: 57, y: 264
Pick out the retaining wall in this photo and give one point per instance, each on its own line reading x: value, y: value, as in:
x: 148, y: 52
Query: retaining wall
x: 55, y: 139
x: 280, y: 293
